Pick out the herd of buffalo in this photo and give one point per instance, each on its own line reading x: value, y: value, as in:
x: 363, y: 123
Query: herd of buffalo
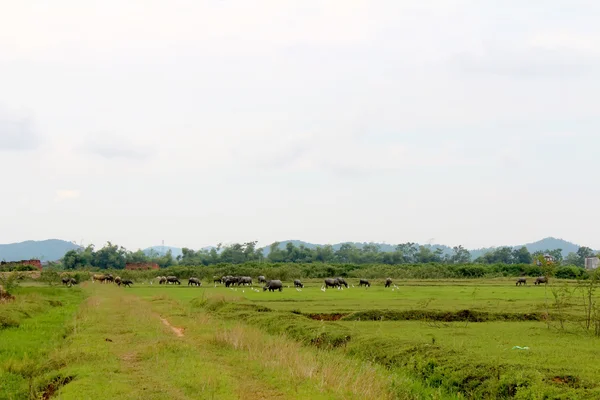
x: 270, y: 285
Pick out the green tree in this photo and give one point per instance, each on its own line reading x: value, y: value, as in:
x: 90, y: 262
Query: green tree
x: 460, y: 255
x: 110, y: 256
x: 522, y: 256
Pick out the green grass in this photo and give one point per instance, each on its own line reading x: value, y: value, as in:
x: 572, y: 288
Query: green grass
x: 118, y: 347
x: 474, y: 360
x: 498, y: 296
x: 246, y: 344
x: 34, y: 326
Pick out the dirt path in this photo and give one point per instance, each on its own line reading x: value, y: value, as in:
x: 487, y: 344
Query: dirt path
x: 177, y: 331
x: 119, y: 340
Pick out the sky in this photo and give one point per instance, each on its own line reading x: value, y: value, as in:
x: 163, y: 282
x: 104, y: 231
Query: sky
x: 199, y: 122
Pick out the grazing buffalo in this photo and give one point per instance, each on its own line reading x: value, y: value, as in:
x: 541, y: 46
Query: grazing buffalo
x: 364, y: 282
x: 161, y: 279
x: 342, y: 281
x: 216, y: 279
x: 298, y: 284
x: 388, y: 282
x: 109, y: 278
x: 127, y: 282
x: 118, y: 280
x: 194, y: 282
x: 231, y: 280
x: 329, y: 282
x: 521, y: 281
x: 99, y: 277
x: 173, y: 279
x: 540, y: 279
x: 262, y: 279
x: 273, y: 285
x: 68, y: 281
x: 244, y: 280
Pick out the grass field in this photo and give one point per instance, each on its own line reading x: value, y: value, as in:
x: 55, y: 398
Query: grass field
x: 165, y: 342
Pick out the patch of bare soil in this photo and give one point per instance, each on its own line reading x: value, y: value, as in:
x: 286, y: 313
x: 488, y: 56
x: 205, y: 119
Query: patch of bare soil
x: 177, y: 331
x: 54, y: 386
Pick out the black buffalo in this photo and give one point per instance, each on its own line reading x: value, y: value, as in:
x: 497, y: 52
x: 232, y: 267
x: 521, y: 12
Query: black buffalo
x: 329, y: 282
x: 521, y: 281
x: 298, y: 284
x: 194, y: 282
x: 540, y: 279
x: 388, y: 282
x: 262, y: 279
x: 127, y: 282
x: 231, y: 280
x: 173, y: 279
x: 68, y: 281
x: 244, y: 280
x: 342, y: 281
x: 273, y: 285
x: 364, y: 282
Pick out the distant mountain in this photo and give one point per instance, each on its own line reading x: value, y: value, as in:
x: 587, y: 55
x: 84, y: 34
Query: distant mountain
x: 548, y: 243
x: 45, y: 250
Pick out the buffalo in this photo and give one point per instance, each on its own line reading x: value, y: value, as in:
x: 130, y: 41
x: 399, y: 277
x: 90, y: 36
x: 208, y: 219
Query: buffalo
x: 521, y: 281
x: 342, y: 281
x: 273, y: 285
x: 262, y: 279
x: 127, y: 282
x: 68, y: 281
x: 99, y: 277
x: 364, y: 282
x: 298, y: 284
x: 216, y: 279
x: 388, y: 282
x: 194, y: 282
x: 231, y: 280
x: 161, y: 279
x: 540, y: 279
x: 118, y: 280
x: 244, y: 280
x: 173, y: 279
x: 329, y: 282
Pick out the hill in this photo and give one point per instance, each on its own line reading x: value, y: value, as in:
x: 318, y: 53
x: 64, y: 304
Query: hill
x: 45, y: 250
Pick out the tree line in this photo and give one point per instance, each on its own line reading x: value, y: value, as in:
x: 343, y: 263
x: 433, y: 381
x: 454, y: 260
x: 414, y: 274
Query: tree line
x: 112, y: 256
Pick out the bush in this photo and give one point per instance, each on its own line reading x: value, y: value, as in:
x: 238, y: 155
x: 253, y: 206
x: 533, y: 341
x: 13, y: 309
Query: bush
x: 569, y: 273
x: 10, y: 281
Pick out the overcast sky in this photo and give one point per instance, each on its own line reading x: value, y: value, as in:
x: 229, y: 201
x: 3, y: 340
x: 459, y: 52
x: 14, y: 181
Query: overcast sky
x: 198, y: 122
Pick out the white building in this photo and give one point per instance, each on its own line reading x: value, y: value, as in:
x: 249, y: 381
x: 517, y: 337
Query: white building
x: 591, y: 262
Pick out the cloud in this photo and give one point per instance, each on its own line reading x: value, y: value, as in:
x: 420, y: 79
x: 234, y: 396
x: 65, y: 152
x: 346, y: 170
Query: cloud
x: 16, y: 132
x: 351, y: 154
x: 68, y: 194
x: 112, y: 148
x: 539, y: 58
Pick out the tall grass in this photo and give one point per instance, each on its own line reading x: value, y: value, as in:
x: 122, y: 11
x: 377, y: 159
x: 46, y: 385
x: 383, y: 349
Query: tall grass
x: 329, y: 371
